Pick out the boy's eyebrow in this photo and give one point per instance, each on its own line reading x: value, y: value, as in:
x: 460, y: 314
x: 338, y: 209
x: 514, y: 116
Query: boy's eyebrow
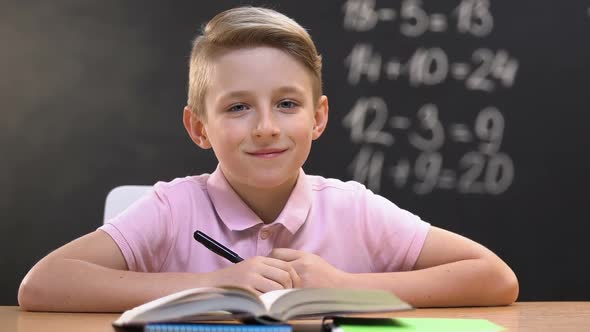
x: 244, y: 93
x: 233, y: 94
x: 291, y: 88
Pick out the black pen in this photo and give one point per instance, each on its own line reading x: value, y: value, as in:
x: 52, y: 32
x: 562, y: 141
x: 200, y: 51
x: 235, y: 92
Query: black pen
x: 217, y: 247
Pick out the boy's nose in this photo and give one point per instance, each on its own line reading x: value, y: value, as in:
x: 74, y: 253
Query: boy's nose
x: 266, y: 126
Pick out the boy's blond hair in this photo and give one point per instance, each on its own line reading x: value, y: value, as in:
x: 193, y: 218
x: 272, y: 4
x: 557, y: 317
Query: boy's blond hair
x: 248, y: 27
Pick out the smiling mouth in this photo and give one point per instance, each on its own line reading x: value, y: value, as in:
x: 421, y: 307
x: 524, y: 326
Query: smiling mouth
x: 267, y: 154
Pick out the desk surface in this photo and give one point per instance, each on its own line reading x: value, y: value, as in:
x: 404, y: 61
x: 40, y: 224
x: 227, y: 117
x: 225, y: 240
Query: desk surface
x: 522, y: 316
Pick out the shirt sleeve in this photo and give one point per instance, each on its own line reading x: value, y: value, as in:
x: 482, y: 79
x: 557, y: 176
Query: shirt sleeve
x: 395, y: 236
x: 144, y: 232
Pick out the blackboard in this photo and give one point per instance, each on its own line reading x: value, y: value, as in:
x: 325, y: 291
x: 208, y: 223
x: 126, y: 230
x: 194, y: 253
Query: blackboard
x: 469, y: 113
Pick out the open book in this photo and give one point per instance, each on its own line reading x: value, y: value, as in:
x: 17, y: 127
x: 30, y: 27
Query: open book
x: 277, y: 306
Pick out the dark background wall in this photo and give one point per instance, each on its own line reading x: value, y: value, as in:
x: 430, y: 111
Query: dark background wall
x: 470, y: 114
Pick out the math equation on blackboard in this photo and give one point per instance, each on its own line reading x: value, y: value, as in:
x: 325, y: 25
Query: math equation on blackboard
x: 410, y: 149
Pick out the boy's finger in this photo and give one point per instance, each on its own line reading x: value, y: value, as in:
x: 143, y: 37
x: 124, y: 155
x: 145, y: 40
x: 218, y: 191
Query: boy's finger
x: 295, y: 278
x: 264, y: 284
x: 286, y: 254
x: 278, y: 263
x: 287, y: 267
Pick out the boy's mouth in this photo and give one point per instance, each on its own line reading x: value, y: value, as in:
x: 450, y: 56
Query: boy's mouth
x: 267, y: 153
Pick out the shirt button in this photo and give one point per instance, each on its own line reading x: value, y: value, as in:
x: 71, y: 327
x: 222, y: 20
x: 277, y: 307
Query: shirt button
x: 265, y: 234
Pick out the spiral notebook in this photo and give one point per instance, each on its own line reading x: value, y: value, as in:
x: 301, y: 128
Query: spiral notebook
x: 188, y: 327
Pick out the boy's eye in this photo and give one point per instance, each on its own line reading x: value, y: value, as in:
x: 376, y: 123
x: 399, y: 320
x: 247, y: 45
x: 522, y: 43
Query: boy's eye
x: 287, y: 104
x: 238, y: 108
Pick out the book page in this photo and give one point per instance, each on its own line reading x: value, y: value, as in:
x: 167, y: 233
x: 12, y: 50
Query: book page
x: 318, y: 301
x: 192, y: 303
x: 269, y: 298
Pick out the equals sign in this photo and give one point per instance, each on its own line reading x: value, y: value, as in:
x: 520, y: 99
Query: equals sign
x: 447, y: 179
x: 438, y: 23
x: 460, y: 133
x: 459, y: 70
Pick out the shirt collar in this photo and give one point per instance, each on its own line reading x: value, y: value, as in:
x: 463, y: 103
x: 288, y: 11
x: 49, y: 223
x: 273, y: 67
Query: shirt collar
x: 237, y: 216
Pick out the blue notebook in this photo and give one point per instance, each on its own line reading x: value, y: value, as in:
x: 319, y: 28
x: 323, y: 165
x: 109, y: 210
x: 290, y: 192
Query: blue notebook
x: 187, y: 327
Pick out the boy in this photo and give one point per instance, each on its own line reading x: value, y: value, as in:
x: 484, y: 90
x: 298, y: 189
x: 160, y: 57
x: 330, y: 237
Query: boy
x: 255, y: 98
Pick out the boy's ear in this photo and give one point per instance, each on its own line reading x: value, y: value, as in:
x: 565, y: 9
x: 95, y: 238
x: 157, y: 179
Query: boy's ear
x: 195, y: 128
x: 320, y: 117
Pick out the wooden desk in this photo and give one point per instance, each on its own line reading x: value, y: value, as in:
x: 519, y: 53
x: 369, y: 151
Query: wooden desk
x: 522, y: 316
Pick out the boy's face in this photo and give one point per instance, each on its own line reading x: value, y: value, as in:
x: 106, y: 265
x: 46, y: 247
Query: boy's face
x: 261, y: 117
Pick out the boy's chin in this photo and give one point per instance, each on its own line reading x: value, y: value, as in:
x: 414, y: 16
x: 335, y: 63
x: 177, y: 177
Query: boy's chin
x: 268, y: 180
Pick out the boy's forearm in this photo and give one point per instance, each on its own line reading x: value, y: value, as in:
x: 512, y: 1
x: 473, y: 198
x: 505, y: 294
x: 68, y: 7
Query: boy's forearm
x: 472, y: 282
x: 77, y: 286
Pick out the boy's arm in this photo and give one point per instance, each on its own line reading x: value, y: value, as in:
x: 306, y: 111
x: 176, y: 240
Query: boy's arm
x: 90, y: 275
x: 450, y: 271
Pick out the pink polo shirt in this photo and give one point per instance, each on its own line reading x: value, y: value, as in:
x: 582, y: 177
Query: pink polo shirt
x: 343, y: 222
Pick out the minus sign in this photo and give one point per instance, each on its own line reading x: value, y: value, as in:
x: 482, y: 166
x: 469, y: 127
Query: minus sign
x: 386, y: 14
x: 399, y: 122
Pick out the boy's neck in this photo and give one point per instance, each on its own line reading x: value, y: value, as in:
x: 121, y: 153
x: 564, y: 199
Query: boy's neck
x: 266, y: 204
x: 267, y: 207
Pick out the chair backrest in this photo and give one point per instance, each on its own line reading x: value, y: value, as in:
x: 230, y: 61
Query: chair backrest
x: 122, y: 197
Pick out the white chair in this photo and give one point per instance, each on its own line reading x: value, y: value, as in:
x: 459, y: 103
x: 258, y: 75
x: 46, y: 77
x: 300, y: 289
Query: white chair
x: 119, y: 198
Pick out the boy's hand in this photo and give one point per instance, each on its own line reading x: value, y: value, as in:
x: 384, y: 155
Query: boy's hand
x: 260, y: 274
x: 313, y: 270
